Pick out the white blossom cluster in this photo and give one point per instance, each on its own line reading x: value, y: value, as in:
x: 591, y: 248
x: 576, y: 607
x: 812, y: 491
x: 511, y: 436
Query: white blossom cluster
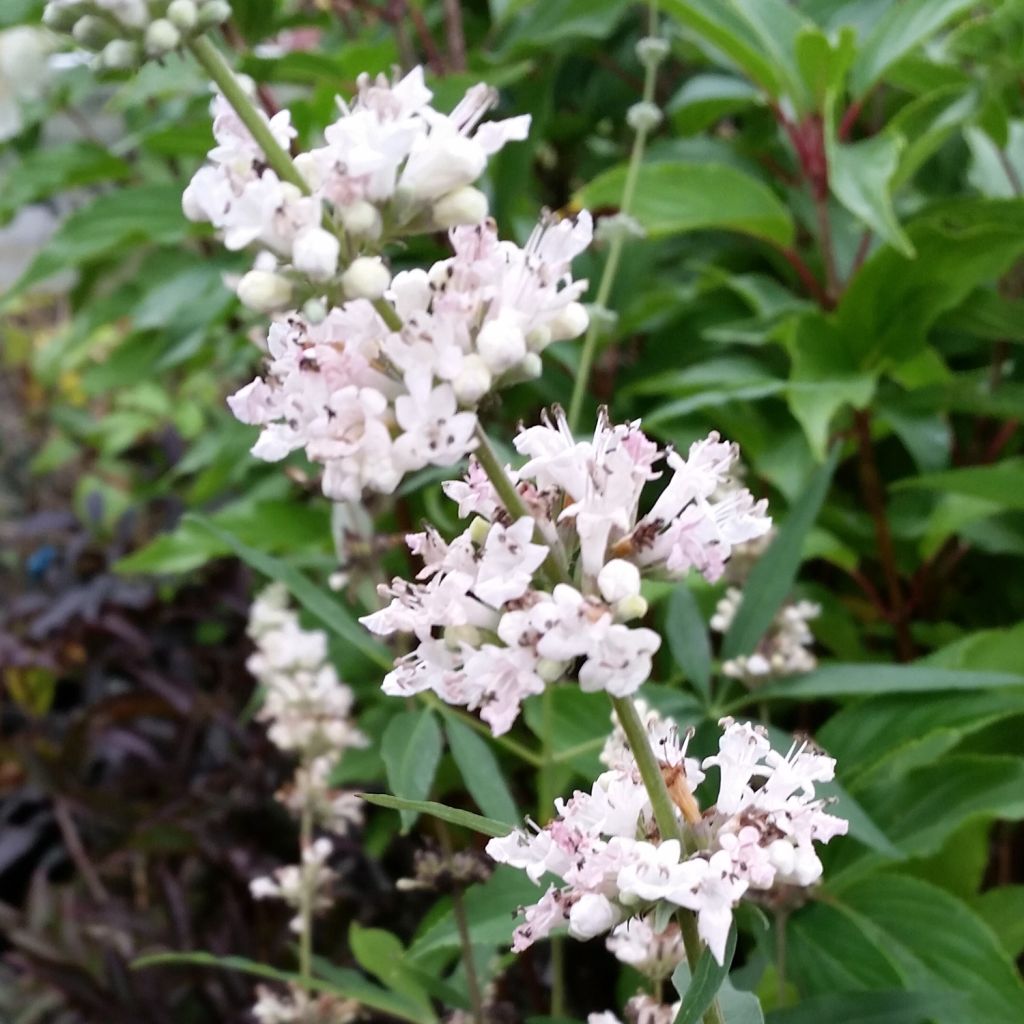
x: 308, y: 713
x: 493, y: 620
x: 296, y: 1006
x: 654, y: 952
x: 124, y: 32
x: 640, y: 1009
x: 785, y: 648
x: 614, y: 864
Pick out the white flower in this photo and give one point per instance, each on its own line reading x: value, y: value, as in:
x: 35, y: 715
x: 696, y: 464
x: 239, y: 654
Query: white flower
x: 264, y: 291
x: 592, y: 914
x: 507, y: 562
x: 315, y: 253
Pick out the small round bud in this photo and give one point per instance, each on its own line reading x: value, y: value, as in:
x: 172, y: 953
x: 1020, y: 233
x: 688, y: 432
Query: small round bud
x: 121, y: 55
x: 473, y: 381
x: 531, y: 366
x: 161, y: 37
x: 264, y: 291
x: 456, y: 636
x: 306, y: 165
x: 466, y: 205
x: 539, y: 338
x: 315, y: 253
x: 571, y: 322
x: 62, y: 19
x: 782, y: 856
x: 501, y: 345
x: 315, y: 311
x: 617, y: 580
x: 551, y: 671
x: 651, y: 51
x: 91, y: 32
x: 361, y: 219
x: 183, y: 14
x: 366, y: 278
x: 214, y: 12
x: 643, y: 117
x: 630, y: 608
x: 479, y: 528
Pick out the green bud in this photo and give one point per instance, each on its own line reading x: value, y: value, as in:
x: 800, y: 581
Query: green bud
x: 120, y: 55
x: 183, y: 14
x: 62, y: 19
x: 161, y: 37
x: 214, y: 12
x: 91, y: 32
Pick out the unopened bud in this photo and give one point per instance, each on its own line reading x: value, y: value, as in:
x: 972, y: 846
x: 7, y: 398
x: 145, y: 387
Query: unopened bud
x: 315, y: 311
x: 643, y: 117
x: 571, y: 321
x: 501, y: 345
x: 315, y: 253
x: 183, y: 14
x: 473, y: 381
x: 631, y: 608
x: 91, y: 32
x: 264, y: 291
x: 120, y: 55
x: 456, y: 636
x: 161, y: 37
x: 549, y: 670
x: 478, y: 530
x: 539, y: 338
x: 530, y: 367
x: 62, y: 19
x: 618, y: 580
x: 466, y: 205
x: 214, y: 12
x: 651, y: 50
x: 366, y: 278
x: 361, y: 219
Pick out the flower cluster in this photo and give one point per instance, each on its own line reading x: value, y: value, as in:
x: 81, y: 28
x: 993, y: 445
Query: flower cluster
x: 530, y: 595
x: 123, y: 32
x: 296, y: 1006
x: 307, y: 710
x: 614, y: 864
x: 785, y: 648
x: 641, y: 1009
x: 654, y: 952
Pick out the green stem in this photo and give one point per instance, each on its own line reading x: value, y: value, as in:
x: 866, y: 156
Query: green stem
x: 306, y: 899
x: 224, y: 78
x: 523, y: 753
x: 611, y: 266
x: 557, y: 945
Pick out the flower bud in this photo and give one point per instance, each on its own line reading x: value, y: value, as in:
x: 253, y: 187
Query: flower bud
x: 214, y: 12
x: 62, y: 19
x: 591, y: 915
x: 361, y: 219
x: 91, y: 32
x: 618, y: 580
x: 551, y: 671
x: 478, y: 530
x: 630, y: 608
x: 161, y: 37
x: 539, y: 338
x: 120, y: 55
x: 466, y: 205
x: 314, y: 311
x: 264, y: 291
x: 651, y: 50
x: 782, y: 856
x: 571, y: 322
x: 183, y: 14
x: 643, y: 117
x: 366, y: 278
x: 456, y: 636
x: 501, y: 345
x: 307, y: 166
x: 531, y: 366
x: 473, y: 380
x: 315, y: 253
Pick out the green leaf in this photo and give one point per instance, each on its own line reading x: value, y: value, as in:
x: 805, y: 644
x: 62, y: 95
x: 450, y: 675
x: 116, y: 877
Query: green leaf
x: 860, y: 177
x: 329, y: 612
x: 688, y: 640
x: 705, y: 99
x: 1002, y: 484
x: 772, y: 577
x: 480, y: 771
x: 739, y: 1007
x: 411, y: 749
x: 382, y: 954
x: 856, y: 680
x: 698, y: 992
x: 901, y: 28
x: 822, y: 65
x: 1002, y: 909
x: 454, y: 816
x: 892, y: 1007
x: 346, y: 983
x: 555, y: 22
x: 672, y: 198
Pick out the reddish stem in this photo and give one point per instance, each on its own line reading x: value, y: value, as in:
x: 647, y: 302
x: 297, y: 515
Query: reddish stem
x: 849, y: 119
x: 809, y: 281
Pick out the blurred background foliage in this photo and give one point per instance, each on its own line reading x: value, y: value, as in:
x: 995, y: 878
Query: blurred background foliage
x: 831, y: 277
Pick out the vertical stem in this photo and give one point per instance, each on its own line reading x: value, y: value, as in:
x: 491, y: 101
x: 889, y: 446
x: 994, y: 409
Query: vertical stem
x: 828, y: 252
x: 557, y: 946
x: 456, y: 37
x: 611, y: 265
x: 781, y: 919
x: 224, y: 78
x: 306, y: 904
x: 874, y: 498
x: 472, y: 981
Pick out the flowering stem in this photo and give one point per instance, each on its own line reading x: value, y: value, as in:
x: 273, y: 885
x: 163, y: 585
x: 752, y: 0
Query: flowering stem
x: 665, y: 816
x: 306, y: 898
x: 476, y: 1000
x: 616, y: 245
x: 224, y: 78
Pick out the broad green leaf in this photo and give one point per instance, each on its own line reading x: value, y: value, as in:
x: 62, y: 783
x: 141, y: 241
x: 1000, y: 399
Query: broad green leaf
x: 903, y: 27
x: 343, y: 982
x: 480, y: 771
x: 1002, y: 909
x: 453, y: 815
x: 698, y: 991
x: 774, y: 573
x: 411, y: 749
x: 858, y: 680
x: 688, y: 640
x: 316, y: 601
x: 893, y: 1007
x: 987, y: 314
x: 555, y: 22
x: 672, y: 198
x: 382, y: 954
x: 946, y: 948
x: 860, y: 176
x: 580, y: 725
x: 999, y: 650
x: 739, y: 1007
x: 706, y: 99
x: 822, y: 63
x: 1002, y: 483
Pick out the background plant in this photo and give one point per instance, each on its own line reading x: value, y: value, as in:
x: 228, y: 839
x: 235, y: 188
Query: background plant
x: 829, y: 277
